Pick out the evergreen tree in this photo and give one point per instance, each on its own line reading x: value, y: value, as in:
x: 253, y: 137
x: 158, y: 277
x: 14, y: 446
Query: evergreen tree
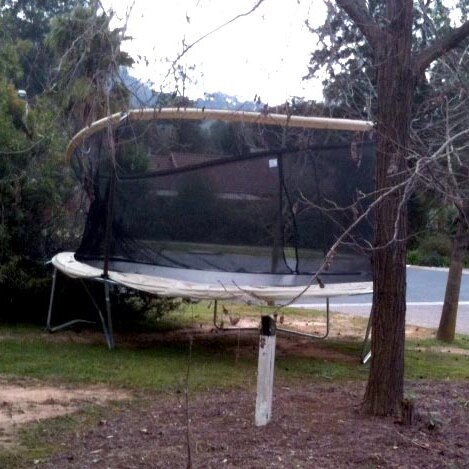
x: 37, y: 207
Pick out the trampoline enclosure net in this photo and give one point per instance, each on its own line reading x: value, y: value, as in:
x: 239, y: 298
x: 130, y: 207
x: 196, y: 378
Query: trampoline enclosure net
x: 230, y: 197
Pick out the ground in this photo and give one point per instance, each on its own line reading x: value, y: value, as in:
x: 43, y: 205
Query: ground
x: 316, y: 422
x: 316, y: 426
x: 29, y: 401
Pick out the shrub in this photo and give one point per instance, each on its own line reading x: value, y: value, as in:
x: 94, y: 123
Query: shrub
x: 434, y: 250
x: 436, y: 244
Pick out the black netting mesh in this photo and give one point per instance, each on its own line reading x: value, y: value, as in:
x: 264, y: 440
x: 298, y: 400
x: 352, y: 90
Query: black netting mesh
x: 230, y: 197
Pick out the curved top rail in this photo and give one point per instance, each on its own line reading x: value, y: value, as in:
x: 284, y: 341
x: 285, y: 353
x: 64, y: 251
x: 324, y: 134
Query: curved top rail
x: 325, y: 123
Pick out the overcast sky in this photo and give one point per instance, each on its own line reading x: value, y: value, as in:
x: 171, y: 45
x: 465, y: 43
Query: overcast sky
x: 265, y: 53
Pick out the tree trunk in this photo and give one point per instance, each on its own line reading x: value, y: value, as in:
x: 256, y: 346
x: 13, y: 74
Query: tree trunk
x: 390, y: 38
x: 384, y: 392
x: 447, y: 327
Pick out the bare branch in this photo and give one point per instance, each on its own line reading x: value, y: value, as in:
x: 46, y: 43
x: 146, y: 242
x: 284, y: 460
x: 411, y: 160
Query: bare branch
x: 340, y: 240
x: 439, y: 47
x: 188, y: 47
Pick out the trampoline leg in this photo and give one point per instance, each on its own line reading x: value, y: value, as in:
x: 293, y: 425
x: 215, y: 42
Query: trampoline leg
x: 215, y: 316
x: 51, y: 301
x: 107, y: 326
x: 51, y: 304
x: 365, y: 354
x: 328, y: 319
x: 309, y: 335
x: 108, y: 332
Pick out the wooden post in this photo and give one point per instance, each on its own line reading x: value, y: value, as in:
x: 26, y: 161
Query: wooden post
x: 265, y: 371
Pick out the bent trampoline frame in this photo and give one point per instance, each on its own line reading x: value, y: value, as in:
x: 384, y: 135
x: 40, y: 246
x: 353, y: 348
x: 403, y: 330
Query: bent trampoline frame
x: 65, y: 263
x: 162, y: 286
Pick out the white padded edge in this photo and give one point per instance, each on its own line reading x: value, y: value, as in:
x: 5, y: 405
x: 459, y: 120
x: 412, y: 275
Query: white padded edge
x: 66, y: 263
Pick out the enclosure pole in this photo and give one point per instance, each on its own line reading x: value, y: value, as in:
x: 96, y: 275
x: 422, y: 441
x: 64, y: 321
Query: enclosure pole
x: 108, y: 330
x: 278, y: 237
x: 265, y: 371
x: 110, y: 205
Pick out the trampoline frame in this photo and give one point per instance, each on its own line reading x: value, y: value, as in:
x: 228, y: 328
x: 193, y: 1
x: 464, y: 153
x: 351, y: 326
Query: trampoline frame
x: 106, y: 319
x: 112, y: 279
x: 220, y: 326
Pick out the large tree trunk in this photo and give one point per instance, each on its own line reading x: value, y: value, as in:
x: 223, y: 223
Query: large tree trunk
x: 390, y: 38
x: 385, y: 391
x: 447, y: 327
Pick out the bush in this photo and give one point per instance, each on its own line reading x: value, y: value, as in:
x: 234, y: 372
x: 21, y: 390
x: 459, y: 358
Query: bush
x: 413, y: 257
x: 24, y: 291
x: 434, y: 250
x: 436, y: 244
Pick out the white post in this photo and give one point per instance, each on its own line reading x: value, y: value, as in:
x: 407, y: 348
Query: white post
x: 265, y: 371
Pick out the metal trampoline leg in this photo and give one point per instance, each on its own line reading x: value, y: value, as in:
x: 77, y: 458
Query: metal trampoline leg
x: 307, y: 334
x: 108, y: 332
x: 365, y: 354
x: 106, y: 329
x: 67, y: 324
x: 215, y: 316
x: 51, y: 301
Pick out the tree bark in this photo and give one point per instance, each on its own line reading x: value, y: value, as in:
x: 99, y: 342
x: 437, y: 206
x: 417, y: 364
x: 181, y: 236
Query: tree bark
x: 447, y: 327
x: 385, y: 389
x: 391, y: 46
x: 397, y: 72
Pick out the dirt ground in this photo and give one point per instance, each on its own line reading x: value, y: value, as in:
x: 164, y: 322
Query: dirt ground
x: 25, y: 402
x: 317, y: 426
x: 314, y: 424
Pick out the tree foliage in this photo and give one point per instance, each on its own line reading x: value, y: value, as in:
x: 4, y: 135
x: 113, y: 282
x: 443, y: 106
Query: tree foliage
x: 26, y: 23
x: 88, y: 57
x: 66, y: 56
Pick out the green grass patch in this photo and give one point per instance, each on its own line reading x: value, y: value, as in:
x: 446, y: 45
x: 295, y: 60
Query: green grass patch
x: 419, y: 363
x: 346, y: 347
x: 27, y: 352
x: 296, y: 368
x: 436, y: 365
x: 460, y: 341
x: 13, y: 459
x: 18, y: 331
x: 38, y: 440
x: 160, y: 368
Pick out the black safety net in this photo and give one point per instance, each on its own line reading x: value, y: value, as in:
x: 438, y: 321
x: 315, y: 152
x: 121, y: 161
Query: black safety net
x: 228, y: 197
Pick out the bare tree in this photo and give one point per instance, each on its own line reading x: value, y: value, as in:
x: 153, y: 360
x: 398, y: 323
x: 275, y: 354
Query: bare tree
x: 447, y: 326
x: 439, y: 111
x: 450, y: 178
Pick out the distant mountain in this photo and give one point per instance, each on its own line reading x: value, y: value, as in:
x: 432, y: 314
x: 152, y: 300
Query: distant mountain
x: 220, y: 100
x: 142, y: 95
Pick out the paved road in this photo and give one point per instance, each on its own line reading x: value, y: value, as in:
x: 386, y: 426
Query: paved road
x: 425, y: 294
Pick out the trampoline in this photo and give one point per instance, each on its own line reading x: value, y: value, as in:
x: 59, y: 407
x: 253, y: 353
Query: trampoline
x: 222, y: 205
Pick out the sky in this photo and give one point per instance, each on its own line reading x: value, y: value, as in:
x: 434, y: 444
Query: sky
x: 263, y: 54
